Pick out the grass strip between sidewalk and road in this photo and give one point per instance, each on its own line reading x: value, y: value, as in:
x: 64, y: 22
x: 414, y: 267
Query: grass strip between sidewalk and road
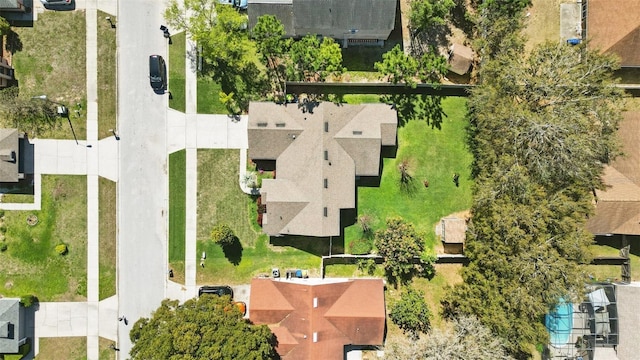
x: 177, y: 205
x: 177, y: 72
x: 107, y: 74
x: 107, y: 238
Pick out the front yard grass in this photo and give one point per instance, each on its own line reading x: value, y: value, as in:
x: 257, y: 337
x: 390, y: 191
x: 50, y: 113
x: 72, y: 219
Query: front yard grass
x: 49, y: 59
x: 177, y: 71
x: 70, y: 348
x: 432, y: 155
x: 220, y: 200
x: 209, y: 97
x: 107, y: 69
x: 30, y: 265
x: 107, y: 239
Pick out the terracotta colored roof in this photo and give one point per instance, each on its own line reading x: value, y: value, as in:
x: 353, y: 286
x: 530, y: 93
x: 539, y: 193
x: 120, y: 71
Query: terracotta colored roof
x: 618, y: 207
x: 315, y: 320
x: 613, y: 26
x: 319, y: 151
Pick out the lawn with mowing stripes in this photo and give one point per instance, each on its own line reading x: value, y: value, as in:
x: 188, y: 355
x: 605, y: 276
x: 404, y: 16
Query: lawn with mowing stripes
x: 177, y: 205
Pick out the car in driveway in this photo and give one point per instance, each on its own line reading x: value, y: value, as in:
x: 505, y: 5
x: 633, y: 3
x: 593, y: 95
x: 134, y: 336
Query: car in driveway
x: 157, y: 73
x: 55, y: 2
x: 219, y: 290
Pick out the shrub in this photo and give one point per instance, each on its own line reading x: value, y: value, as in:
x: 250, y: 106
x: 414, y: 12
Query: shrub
x: 28, y: 300
x: 3, y: 228
x: 361, y: 247
x: 223, y: 235
x: 3, y: 247
x: 1, y: 213
x: 62, y: 249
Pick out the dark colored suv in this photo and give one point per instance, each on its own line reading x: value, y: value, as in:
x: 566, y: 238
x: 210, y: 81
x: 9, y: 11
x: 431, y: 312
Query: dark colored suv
x: 157, y: 73
x: 216, y: 290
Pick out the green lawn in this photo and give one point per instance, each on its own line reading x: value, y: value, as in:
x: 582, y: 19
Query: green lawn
x: 177, y: 71
x: 612, y: 272
x: 106, y: 76
x: 209, y: 97
x: 220, y: 200
x: 433, y: 155
x: 70, y: 348
x: 30, y: 264
x: 54, y: 65
x: 108, y: 252
x: 177, y: 205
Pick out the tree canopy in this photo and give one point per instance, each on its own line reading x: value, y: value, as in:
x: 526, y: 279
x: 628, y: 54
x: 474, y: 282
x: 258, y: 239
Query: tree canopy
x: 314, y: 60
x: 400, y: 68
x: 207, y: 328
x: 30, y: 115
x: 541, y: 130
x: 411, y: 313
x: 466, y: 339
x: 403, y: 251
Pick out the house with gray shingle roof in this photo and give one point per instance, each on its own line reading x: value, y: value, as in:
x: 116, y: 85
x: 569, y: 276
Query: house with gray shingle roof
x: 347, y: 21
x: 10, y: 155
x: 12, y: 326
x: 319, y: 151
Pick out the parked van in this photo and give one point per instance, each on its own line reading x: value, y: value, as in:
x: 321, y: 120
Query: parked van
x: 157, y: 73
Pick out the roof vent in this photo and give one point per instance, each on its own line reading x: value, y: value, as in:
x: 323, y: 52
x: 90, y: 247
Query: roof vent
x: 357, y: 132
x: 280, y: 125
x: 262, y: 124
x: 315, y: 302
x: 315, y: 336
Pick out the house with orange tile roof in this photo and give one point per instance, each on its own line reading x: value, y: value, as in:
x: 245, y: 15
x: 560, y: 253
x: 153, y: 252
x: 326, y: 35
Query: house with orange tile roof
x: 317, y: 319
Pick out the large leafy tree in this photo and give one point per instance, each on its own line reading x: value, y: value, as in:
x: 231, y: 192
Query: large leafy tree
x: 400, y: 68
x: 272, y: 46
x: 229, y: 55
x: 403, y: 251
x: 207, y: 328
x: 541, y: 130
x: 30, y: 115
x: 427, y: 13
x: 467, y: 339
x: 314, y: 60
x: 411, y: 313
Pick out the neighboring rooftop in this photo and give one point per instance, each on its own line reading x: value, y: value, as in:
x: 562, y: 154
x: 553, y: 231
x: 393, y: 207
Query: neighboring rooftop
x: 9, y: 154
x: 11, y: 329
x: 460, y: 59
x: 338, y: 19
x: 319, y: 150
x: 618, y: 207
x: 316, y: 320
x: 613, y: 26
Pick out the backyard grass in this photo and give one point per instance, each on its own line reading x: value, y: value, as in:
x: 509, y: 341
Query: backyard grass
x: 220, y: 200
x: 49, y: 59
x: 433, y: 155
x: 177, y: 71
x: 107, y: 255
x: 107, y: 72
x: 30, y: 265
x: 177, y: 205
x: 69, y: 348
x: 209, y: 97
x: 543, y: 22
x: 612, y: 272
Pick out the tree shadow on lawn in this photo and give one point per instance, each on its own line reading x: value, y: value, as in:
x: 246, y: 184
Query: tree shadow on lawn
x: 233, y: 252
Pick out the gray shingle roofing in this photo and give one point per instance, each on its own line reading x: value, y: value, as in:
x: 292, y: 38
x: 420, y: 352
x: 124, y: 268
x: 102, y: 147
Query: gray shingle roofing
x: 9, y: 154
x: 318, y: 156
x: 9, y: 326
x: 355, y: 19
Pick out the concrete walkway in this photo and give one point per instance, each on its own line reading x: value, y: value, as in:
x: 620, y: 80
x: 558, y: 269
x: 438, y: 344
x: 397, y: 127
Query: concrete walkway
x: 191, y: 131
x: 92, y: 158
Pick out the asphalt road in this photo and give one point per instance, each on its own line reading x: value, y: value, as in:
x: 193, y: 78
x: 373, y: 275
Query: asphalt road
x: 143, y: 182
